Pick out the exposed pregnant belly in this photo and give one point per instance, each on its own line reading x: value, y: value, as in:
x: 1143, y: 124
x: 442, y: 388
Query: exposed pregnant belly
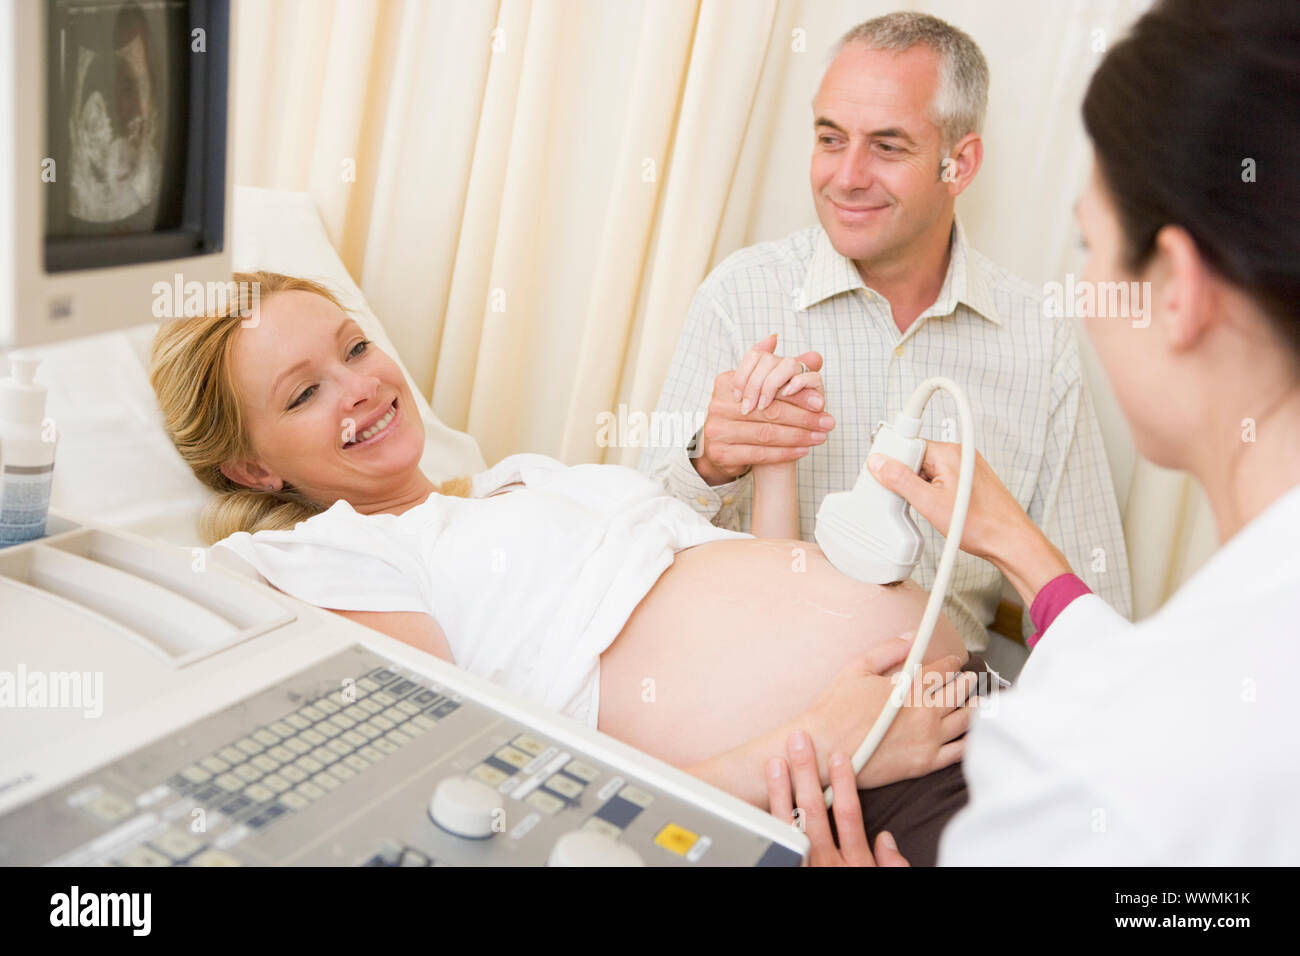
x: 737, y: 637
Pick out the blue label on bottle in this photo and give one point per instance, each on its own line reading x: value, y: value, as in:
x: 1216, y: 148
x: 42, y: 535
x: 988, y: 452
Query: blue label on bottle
x: 24, y: 503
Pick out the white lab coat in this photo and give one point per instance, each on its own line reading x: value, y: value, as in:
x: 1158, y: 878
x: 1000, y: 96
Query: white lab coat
x: 1173, y: 741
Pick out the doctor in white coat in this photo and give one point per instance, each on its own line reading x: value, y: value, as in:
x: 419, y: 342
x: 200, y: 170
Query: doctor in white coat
x: 1171, y: 741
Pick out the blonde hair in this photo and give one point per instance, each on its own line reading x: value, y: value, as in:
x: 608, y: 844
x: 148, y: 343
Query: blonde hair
x: 191, y: 374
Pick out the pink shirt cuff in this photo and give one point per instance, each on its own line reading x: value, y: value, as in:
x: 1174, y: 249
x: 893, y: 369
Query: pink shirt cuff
x: 1053, y: 598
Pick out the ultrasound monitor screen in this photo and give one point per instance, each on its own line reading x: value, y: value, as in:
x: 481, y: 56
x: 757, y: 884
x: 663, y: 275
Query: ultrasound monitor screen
x: 118, y: 99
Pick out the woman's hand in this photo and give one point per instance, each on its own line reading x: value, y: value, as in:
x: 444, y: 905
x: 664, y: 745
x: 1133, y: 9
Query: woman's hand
x: 761, y: 379
x: 997, y: 528
x: 853, y: 848
x: 762, y: 374
x: 924, y: 735
x: 993, y: 509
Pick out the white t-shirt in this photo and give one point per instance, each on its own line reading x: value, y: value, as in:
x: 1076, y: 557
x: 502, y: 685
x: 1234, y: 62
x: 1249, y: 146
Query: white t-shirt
x: 529, y: 586
x: 1168, y: 742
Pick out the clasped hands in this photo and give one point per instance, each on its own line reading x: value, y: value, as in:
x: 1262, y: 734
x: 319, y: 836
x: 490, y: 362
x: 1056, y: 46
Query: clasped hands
x: 766, y: 411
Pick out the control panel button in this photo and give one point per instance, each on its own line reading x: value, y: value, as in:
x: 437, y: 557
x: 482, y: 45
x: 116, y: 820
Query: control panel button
x: 176, y: 844
x: 602, y: 826
x: 310, y: 791
x: 326, y: 781
x: 110, y: 807
x: 196, y: 774
x: 144, y: 856
x: 529, y: 744
x: 466, y: 807
x: 489, y: 775
x: 565, y: 786
x: 583, y: 771
x: 636, y: 795
x: 676, y: 839
x: 214, y: 764
x: 309, y: 765
x: 294, y: 801
x: 589, y: 848
x: 512, y: 756
x: 259, y: 794
x: 544, y: 802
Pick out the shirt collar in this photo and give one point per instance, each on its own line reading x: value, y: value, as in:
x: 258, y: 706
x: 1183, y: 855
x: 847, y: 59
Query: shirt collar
x: 830, y: 274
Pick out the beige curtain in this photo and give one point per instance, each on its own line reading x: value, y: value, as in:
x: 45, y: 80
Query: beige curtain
x: 529, y: 193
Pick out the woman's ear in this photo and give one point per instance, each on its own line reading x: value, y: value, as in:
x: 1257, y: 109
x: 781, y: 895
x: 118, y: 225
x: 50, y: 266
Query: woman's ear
x: 251, y: 475
x: 1185, y: 297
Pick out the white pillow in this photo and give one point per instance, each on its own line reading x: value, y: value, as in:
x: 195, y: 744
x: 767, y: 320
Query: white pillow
x: 114, y: 463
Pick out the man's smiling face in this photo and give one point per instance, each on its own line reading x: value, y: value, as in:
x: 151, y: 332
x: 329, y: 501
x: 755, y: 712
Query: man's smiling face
x: 878, y: 153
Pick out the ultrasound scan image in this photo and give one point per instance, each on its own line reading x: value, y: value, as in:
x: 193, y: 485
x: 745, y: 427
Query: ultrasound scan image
x: 117, y: 112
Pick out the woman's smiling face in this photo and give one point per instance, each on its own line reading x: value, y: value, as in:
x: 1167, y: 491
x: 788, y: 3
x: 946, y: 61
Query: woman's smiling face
x: 324, y: 409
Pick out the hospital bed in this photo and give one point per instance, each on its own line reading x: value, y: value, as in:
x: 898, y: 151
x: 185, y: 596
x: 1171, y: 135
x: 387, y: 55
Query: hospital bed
x: 169, y: 708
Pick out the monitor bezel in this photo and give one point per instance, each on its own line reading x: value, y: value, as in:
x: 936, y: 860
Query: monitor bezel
x: 202, y: 231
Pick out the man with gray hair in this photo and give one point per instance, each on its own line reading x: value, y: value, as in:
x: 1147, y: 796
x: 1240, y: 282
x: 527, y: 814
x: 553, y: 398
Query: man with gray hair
x: 887, y: 292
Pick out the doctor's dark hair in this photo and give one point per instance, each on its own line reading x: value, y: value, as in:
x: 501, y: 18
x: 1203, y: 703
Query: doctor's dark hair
x: 192, y: 375
x: 1195, y: 118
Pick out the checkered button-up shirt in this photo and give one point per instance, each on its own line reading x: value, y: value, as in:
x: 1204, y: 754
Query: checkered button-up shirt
x: 1034, y: 419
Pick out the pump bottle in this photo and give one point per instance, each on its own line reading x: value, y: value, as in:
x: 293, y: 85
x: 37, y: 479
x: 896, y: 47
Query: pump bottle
x: 27, y: 471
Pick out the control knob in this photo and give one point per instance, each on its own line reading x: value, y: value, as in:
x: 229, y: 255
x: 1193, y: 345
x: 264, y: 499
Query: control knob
x: 466, y: 808
x: 589, y: 848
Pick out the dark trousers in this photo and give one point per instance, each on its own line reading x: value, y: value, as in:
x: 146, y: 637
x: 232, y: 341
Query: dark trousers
x: 916, y: 811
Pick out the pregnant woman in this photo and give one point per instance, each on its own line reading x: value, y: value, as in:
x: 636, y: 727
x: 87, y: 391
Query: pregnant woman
x: 585, y: 588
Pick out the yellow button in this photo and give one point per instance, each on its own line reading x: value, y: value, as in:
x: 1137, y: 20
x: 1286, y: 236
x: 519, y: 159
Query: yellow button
x: 898, y: 350
x: 728, y: 499
x: 676, y: 839
x: 701, y: 499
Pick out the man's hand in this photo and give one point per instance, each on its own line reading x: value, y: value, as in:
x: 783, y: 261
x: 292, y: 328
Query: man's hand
x: 853, y: 849
x: 781, y: 430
